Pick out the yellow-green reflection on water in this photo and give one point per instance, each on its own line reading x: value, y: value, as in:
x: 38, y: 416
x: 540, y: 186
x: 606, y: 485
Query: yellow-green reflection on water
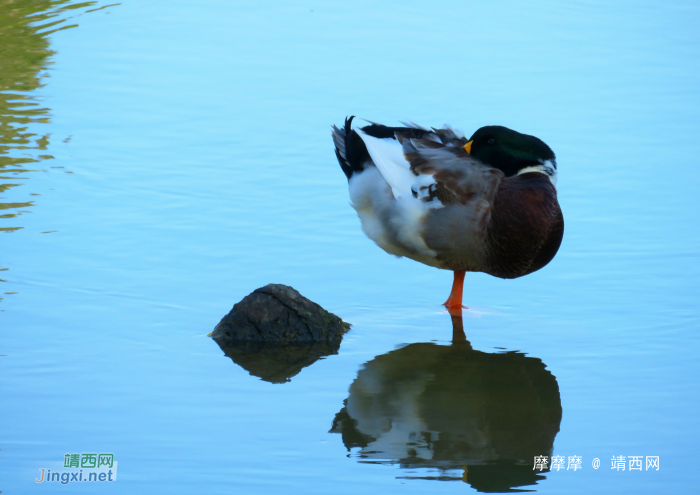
x: 25, y: 27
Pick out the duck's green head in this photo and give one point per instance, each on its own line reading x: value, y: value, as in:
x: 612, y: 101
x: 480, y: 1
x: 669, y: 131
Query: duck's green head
x: 512, y: 152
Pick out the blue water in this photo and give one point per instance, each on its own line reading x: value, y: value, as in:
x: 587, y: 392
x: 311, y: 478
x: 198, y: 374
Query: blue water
x: 164, y: 159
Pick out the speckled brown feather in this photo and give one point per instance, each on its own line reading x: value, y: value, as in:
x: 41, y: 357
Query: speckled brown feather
x: 459, y: 178
x: 466, y: 189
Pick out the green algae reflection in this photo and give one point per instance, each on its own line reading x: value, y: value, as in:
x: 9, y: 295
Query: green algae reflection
x: 25, y: 55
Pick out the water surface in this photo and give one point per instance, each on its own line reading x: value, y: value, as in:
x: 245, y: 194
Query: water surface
x: 197, y: 137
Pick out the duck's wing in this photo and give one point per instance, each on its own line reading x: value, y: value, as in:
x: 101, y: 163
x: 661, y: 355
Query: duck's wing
x: 461, y: 192
x: 384, y: 145
x: 439, y: 198
x: 445, y: 173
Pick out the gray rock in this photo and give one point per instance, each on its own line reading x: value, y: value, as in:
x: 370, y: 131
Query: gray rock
x: 278, y: 313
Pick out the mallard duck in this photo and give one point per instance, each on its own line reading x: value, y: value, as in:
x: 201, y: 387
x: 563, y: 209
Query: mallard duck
x: 484, y: 204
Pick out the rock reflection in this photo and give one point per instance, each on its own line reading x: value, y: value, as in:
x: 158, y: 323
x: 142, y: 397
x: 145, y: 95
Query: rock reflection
x: 454, y: 408
x: 278, y: 362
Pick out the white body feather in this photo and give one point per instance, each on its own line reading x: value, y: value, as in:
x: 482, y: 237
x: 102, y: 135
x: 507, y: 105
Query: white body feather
x: 382, y: 196
x: 387, y: 155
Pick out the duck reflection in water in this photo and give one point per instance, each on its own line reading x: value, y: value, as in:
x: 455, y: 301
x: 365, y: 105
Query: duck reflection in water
x: 454, y: 408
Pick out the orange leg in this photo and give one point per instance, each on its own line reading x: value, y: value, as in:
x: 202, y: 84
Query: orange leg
x: 454, y: 302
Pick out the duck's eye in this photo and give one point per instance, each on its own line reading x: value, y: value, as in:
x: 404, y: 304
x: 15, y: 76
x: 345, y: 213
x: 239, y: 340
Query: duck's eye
x: 491, y: 141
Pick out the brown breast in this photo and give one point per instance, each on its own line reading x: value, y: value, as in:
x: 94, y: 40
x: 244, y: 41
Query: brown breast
x: 526, y: 226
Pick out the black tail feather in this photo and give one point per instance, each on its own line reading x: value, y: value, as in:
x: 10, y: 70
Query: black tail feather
x: 350, y: 149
